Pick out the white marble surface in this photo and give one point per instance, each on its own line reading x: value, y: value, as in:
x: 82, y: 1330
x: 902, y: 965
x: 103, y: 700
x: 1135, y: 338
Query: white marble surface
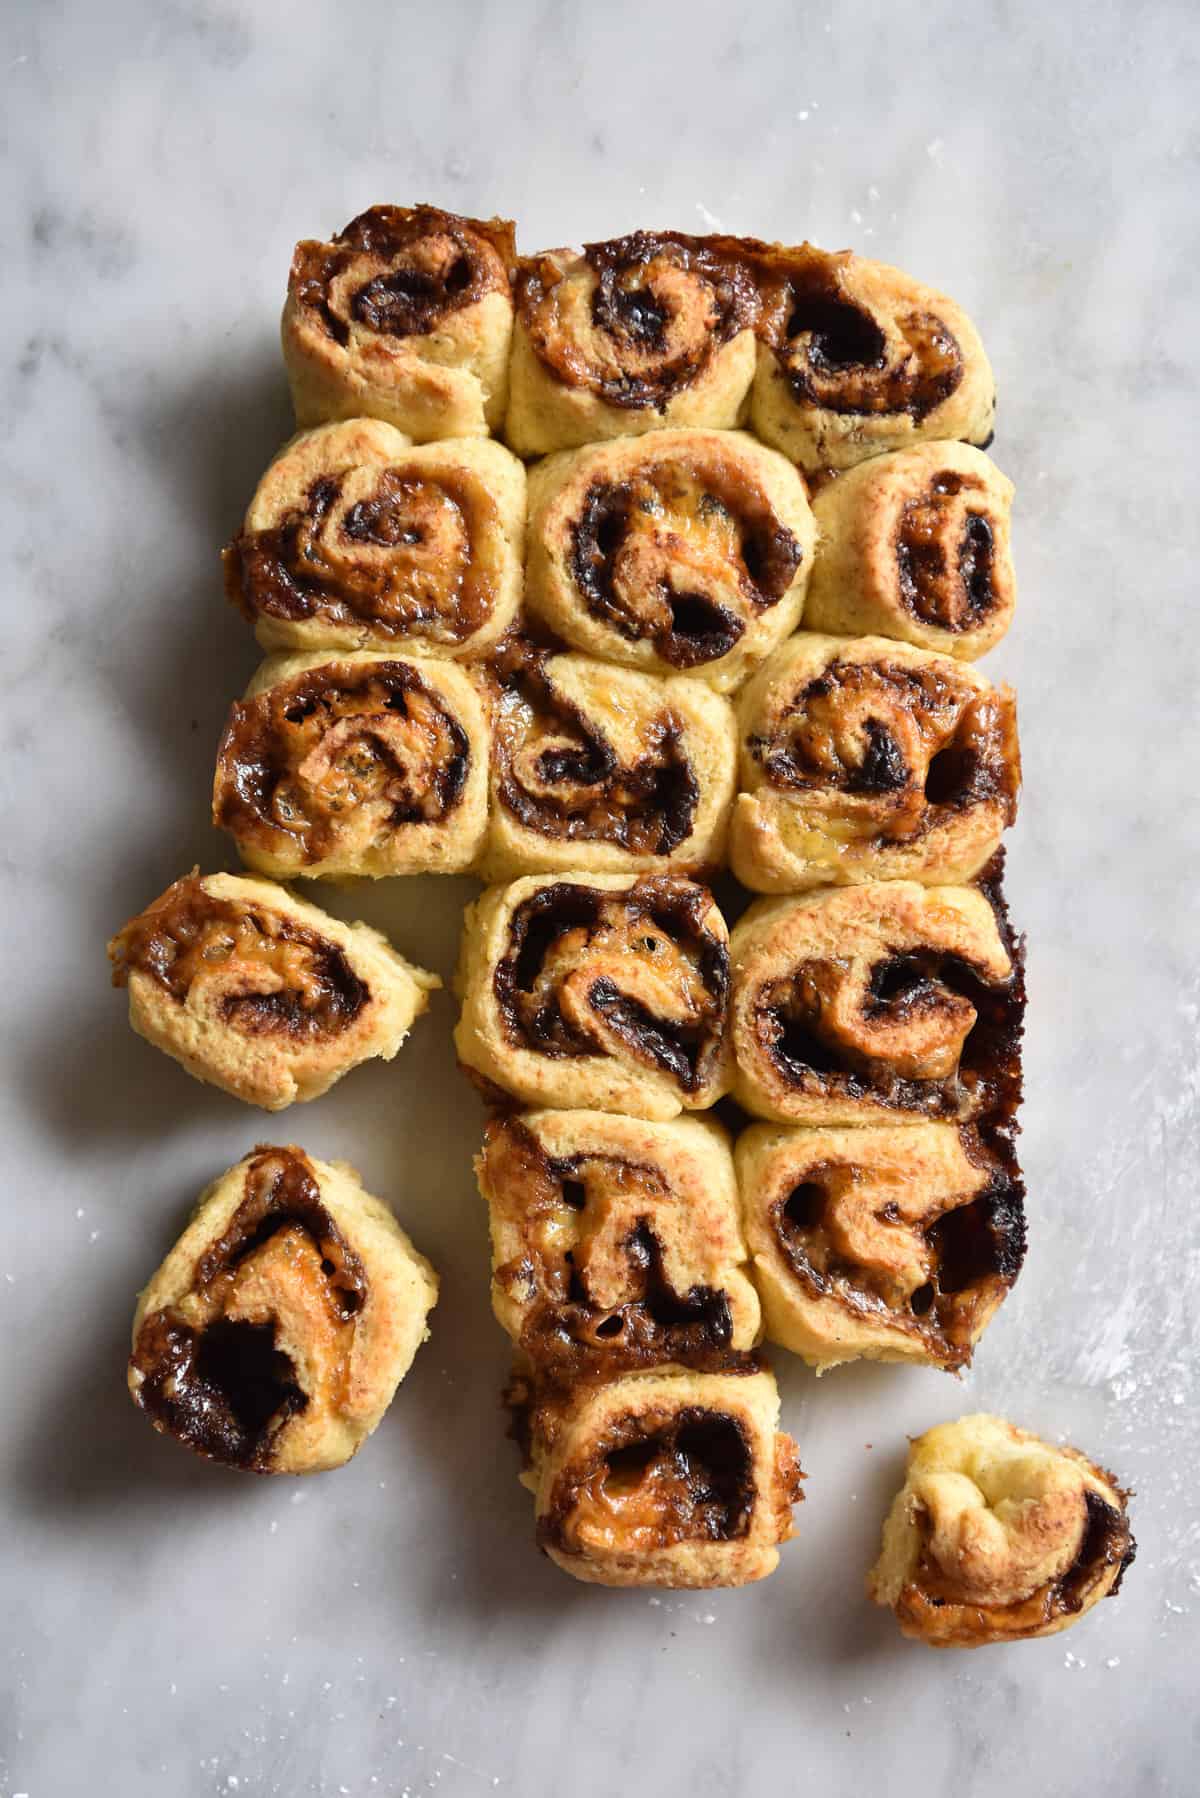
x: 169, y: 1629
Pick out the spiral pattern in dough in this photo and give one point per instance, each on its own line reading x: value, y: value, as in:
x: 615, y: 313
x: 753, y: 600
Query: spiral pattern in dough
x: 863, y: 759
x: 406, y: 316
x: 367, y: 765
x: 997, y: 1536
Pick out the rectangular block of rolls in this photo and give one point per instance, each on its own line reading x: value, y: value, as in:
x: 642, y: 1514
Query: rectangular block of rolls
x: 645, y: 331
x: 916, y: 545
x: 616, y: 1243
x: 863, y: 759
x: 883, y: 1243
x: 602, y: 992
x: 683, y: 551
x: 665, y: 1479
x: 887, y: 1003
x: 260, y: 994
x: 360, y: 765
x: 856, y: 358
x: 356, y: 540
x: 406, y: 316
x: 596, y: 767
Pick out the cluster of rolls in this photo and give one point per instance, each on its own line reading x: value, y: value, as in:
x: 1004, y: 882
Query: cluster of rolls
x: 594, y: 574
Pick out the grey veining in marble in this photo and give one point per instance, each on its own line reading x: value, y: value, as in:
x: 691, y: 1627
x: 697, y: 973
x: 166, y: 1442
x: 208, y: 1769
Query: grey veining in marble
x: 170, y: 1629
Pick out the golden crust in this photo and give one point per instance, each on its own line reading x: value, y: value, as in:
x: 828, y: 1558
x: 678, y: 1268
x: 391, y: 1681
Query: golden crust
x: 254, y: 991
x: 405, y: 316
x: 885, y: 1243
x: 354, y: 539
x: 616, y: 1243
x: 865, y: 759
x: 671, y: 1479
x: 357, y: 765
x: 856, y: 358
x: 997, y: 1536
x: 917, y: 546
x: 274, y: 1335
x: 842, y: 1012
x: 599, y: 768
x: 685, y: 551
x: 596, y: 991
x: 639, y: 334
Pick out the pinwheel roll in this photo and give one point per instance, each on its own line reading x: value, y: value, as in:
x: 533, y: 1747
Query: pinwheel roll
x: 367, y: 765
x: 916, y: 546
x: 665, y: 1479
x: 405, y: 316
x: 856, y: 358
x: 355, y: 540
x: 601, y: 991
x: 616, y: 1244
x: 274, y: 1335
x: 599, y: 767
x: 863, y: 759
x: 878, y: 1003
x: 885, y: 1243
x: 637, y: 333
x: 997, y: 1536
x: 254, y: 991
x: 688, y: 550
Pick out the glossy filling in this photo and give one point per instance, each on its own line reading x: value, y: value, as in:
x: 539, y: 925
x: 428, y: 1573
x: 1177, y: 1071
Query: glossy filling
x: 633, y: 972
x: 559, y: 775
x: 640, y: 319
x: 396, y: 550
x: 301, y: 762
x: 685, y: 554
x: 212, y: 1372
x: 583, y: 1314
x: 907, y: 750
x: 399, y: 272
x: 945, y: 554
x: 935, y: 1276
x: 286, y: 979
x: 658, y: 1479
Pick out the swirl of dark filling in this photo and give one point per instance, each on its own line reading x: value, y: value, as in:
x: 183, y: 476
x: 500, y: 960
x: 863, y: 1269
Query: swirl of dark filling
x: 658, y: 1477
x: 402, y: 561
x: 655, y: 926
x: 662, y: 304
x: 576, y: 789
x: 973, y: 1250
x: 836, y: 355
x: 945, y: 554
x: 399, y: 271
x: 296, y: 759
x: 188, y: 934
x: 222, y: 1386
x: 691, y: 595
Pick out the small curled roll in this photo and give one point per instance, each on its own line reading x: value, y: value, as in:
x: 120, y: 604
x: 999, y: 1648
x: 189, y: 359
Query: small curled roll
x: 688, y: 550
x: 917, y: 546
x: 616, y: 1244
x: 671, y: 1479
x: 255, y: 992
x: 355, y: 540
x: 367, y: 765
x: 862, y: 759
x: 635, y: 334
x: 997, y: 1536
x: 596, y: 767
x: 856, y: 358
x: 877, y: 1004
x: 884, y: 1243
x: 274, y: 1335
x: 405, y: 316
x: 604, y: 992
